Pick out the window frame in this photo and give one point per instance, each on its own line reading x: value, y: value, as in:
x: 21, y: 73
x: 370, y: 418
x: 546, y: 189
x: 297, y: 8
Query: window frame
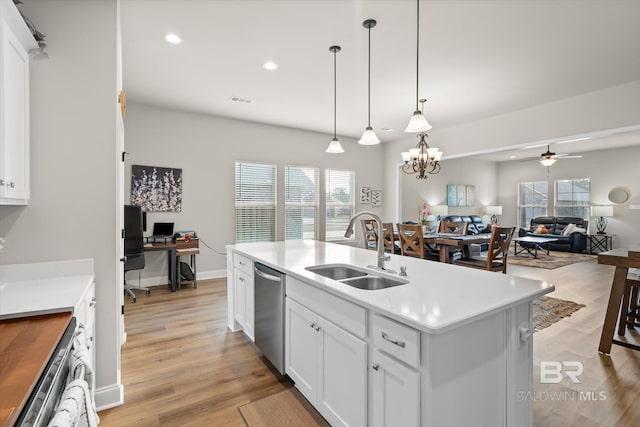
x: 584, y: 207
x: 533, y: 205
x: 301, y: 205
x: 272, y: 205
x: 329, y: 235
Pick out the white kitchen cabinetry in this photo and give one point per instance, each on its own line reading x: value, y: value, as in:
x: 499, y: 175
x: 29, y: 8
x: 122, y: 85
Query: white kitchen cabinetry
x: 16, y: 41
x: 244, y: 293
x: 395, y: 386
x: 328, y: 365
x: 396, y: 392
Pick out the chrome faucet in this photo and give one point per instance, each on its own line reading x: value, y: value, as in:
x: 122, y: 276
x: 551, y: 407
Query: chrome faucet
x: 382, y: 257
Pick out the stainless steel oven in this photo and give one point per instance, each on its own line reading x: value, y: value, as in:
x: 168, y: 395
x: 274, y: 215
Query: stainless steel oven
x: 41, y: 404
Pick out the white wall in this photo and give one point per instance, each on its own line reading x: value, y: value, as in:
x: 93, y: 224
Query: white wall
x: 606, y: 169
x: 482, y: 174
x: 71, y: 213
x: 206, y: 149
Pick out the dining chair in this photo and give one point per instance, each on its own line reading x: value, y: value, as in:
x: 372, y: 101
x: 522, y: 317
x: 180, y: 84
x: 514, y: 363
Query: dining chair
x: 390, y: 243
x: 368, y: 233
x: 630, y: 311
x: 497, y: 253
x: 412, y: 242
x: 453, y: 227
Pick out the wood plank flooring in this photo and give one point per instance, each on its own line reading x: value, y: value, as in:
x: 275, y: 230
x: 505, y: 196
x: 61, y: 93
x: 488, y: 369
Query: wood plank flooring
x: 182, y: 367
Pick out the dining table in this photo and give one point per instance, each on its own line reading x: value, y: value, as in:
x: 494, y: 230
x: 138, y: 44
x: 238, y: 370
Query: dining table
x: 622, y: 259
x: 446, y: 241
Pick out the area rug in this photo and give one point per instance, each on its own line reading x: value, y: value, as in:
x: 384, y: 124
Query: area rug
x: 555, y: 259
x: 549, y: 310
x: 285, y: 409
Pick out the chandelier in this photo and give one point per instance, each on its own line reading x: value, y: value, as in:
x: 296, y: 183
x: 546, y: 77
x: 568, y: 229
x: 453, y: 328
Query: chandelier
x: 422, y: 159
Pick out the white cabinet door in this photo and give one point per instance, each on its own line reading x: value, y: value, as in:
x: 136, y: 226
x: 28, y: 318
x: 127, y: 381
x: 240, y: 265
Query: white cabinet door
x: 249, y: 306
x: 14, y: 141
x: 240, y: 296
x: 342, y: 385
x: 301, y: 348
x: 396, y: 392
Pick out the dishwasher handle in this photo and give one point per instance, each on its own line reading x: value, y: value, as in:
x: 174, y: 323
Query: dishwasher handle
x: 266, y: 276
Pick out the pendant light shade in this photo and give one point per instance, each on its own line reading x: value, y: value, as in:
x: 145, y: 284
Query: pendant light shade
x: 417, y: 123
x: 369, y: 136
x: 334, y: 146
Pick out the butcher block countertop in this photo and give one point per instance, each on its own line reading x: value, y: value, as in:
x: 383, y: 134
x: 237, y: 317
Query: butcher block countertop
x: 26, y: 344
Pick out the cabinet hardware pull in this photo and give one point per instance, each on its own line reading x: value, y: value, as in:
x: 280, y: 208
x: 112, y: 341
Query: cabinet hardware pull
x: 396, y: 342
x: 313, y: 325
x: 241, y: 279
x: 2, y: 182
x: 317, y: 328
x: 525, y: 334
x: 12, y: 184
x: 376, y: 366
x: 93, y: 302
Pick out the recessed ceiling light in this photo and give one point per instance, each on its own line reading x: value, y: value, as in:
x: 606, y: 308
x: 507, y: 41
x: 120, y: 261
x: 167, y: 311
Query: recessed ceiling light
x: 173, y: 38
x: 241, y: 99
x: 513, y: 157
x: 386, y: 129
x: 270, y: 66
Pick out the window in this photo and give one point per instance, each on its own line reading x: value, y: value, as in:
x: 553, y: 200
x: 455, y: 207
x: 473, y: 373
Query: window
x: 340, y: 202
x: 532, y: 201
x: 572, y: 197
x: 300, y: 202
x: 255, y: 202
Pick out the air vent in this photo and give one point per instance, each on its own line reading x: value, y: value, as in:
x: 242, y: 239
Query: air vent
x: 242, y: 100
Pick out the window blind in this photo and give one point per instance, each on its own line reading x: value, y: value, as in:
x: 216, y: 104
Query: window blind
x: 255, y: 198
x: 532, y: 201
x: 301, y: 202
x: 573, y: 197
x: 340, y: 202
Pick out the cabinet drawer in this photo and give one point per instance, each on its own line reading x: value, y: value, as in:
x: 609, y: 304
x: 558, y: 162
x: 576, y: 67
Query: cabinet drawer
x: 243, y: 263
x: 397, y: 339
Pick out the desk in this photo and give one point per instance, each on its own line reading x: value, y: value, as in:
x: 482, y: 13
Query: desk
x: 171, y: 260
x: 191, y: 252
x: 622, y: 259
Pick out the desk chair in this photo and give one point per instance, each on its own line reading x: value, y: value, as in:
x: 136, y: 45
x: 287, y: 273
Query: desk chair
x: 133, y: 246
x: 496, y: 259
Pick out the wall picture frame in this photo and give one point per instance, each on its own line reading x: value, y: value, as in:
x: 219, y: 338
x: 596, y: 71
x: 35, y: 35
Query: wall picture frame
x: 365, y: 195
x: 156, y: 189
x: 376, y: 197
x: 461, y: 195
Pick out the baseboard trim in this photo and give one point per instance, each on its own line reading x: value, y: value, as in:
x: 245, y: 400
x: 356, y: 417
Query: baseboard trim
x: 109, y: 396
x: 162, y: 280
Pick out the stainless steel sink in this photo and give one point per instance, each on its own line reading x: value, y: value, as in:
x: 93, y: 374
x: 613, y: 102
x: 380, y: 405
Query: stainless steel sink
x: 372, y: 283
x: 337, y: 271
x: 355, y: 277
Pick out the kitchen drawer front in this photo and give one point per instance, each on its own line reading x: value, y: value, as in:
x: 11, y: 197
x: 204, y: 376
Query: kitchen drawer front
x: 243, y: 263
x: 349, y: 316
x: 397, y: 339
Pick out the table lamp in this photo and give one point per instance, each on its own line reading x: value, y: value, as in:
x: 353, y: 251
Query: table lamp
x: 494, y: 211
x: 601, y: 212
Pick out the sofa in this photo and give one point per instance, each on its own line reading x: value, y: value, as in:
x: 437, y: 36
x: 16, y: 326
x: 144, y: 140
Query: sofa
x: 574, y: 242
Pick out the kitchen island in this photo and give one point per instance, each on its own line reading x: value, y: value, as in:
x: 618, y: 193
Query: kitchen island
x: 451, y: 346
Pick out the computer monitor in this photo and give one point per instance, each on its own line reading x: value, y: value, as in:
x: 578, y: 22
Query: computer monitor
x: 163, y: 229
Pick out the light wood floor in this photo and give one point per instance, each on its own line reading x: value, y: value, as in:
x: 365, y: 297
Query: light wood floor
x: 182, y: 367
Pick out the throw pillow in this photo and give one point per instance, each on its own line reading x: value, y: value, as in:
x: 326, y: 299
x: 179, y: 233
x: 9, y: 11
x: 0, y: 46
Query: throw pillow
x: 580, y: 230
x: 541, y: 229
x: 569, y: 229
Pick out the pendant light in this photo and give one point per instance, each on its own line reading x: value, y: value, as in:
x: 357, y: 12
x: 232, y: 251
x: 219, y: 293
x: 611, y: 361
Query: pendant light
x: 334, y: 146
x: 369, y: 136
x: 418, y: 122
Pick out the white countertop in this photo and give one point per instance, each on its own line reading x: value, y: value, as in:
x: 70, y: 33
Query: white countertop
x: 40, y: 288
x: 438, y: 297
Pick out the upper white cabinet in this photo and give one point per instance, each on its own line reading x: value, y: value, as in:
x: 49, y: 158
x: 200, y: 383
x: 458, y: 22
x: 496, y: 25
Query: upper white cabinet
x: 16, y: 41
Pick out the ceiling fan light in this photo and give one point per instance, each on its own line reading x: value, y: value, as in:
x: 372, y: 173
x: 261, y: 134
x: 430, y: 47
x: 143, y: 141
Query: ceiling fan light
x: 334, y: 147
x: 418, y: 123
x: 548, y: 161
x: 369, y: 137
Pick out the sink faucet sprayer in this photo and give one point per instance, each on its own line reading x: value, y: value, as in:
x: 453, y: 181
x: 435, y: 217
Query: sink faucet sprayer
x: 381, y: 255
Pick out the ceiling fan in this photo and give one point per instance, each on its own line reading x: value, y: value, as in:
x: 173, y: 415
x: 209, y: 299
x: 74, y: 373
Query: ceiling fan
x: 549, y: 157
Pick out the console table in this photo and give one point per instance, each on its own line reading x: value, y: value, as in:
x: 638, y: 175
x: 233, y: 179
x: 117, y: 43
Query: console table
x: 597, y: 243
x: 622, y: 259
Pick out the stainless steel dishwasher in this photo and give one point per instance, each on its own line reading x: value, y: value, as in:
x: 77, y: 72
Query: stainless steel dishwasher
x: 269, y: 313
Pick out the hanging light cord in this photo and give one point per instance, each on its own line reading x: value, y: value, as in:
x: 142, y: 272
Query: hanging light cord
x: 417, y: 47
x: 369, y: 82
x: 335, y: 91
